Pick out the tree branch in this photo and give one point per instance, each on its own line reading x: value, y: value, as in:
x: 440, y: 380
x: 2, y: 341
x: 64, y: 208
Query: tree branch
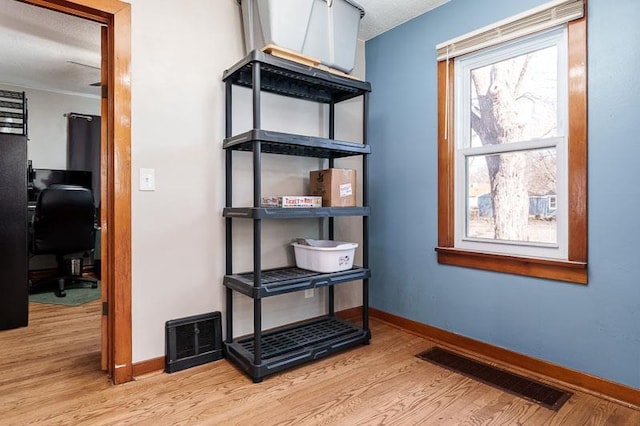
x: 476, y: 125
x: 523, y: 71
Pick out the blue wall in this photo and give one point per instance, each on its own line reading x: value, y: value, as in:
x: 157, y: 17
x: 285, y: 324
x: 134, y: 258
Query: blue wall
x: 593, y: 328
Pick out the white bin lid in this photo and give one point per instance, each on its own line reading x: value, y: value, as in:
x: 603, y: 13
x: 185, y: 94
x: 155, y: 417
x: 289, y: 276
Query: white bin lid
x: 351, y: 2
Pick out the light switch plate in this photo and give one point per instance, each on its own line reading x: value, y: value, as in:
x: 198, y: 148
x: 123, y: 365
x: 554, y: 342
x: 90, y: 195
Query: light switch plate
x: 147, y: 179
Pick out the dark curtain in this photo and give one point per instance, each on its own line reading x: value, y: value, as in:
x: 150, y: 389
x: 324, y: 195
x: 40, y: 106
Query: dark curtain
x: 83, y: 150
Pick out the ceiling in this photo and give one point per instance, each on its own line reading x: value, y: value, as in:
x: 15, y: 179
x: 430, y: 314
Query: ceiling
x: 382, y: 15
x: 42, y: 49
x: 48, y: 50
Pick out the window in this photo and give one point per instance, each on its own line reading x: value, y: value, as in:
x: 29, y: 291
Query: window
x: 510, y: 109
x: 512, y: 151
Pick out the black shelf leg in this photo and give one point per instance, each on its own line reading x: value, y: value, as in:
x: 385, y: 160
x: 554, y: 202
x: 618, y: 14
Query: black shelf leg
x: 257, y: 331
x: 257, y: 224
x: 332, y: 134
x: 365, y: 220
x: 228, y: 203
x: 257, y: 303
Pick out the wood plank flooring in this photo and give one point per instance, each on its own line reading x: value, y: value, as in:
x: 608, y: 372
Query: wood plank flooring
x: 49, y: 375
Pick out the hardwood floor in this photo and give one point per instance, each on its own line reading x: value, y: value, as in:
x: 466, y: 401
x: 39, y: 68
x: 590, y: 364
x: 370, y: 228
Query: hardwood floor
x: 50, y: 375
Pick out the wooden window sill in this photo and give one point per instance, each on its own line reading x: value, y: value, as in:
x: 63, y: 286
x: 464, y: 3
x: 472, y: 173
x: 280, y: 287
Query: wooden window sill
x: 560, y: 270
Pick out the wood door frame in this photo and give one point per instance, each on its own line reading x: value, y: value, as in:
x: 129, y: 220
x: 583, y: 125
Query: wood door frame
x: 116, y: 175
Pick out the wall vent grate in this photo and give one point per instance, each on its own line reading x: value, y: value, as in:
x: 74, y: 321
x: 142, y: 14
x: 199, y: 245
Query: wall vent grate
x: 192, y: 341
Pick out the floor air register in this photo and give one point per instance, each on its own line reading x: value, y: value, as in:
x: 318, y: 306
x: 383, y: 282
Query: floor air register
x: 193, y: 341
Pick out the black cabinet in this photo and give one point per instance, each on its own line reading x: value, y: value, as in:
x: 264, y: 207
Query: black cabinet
x: 268, y: 351
x: 14, y: 288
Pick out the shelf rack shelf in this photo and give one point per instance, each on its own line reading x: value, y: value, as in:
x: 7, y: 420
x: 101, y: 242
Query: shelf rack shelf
x: 268, y: 351
x: 278, y: 281
x: 292, y: 345
x: 292, y: 79
x: 293, y: 213
x: 290, y: 144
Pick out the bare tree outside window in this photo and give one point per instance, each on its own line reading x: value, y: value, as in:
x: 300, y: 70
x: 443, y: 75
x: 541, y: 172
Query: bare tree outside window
x: 513, y: 100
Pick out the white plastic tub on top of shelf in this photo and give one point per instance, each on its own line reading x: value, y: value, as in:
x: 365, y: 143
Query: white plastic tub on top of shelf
x: 324, y: 255
x: 326, y: 30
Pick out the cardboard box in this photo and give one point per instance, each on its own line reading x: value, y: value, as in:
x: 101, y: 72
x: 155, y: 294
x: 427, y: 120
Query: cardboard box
x: 336, y: 186
x: 292, y: 201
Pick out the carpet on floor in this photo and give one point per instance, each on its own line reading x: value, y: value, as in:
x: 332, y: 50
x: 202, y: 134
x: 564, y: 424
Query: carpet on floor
x: 76, y: 295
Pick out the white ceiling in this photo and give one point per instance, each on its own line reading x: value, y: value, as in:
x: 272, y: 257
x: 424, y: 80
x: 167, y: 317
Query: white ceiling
x: 382, y: 15
x: 48, y: 50
x: 38, y: 45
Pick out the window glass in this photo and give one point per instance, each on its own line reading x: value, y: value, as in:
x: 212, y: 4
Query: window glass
x: 515, y: 99
x: 511, y: 151
x: 514, y: 209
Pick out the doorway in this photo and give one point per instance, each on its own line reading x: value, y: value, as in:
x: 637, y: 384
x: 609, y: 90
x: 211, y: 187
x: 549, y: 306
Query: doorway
x: 115, y: 190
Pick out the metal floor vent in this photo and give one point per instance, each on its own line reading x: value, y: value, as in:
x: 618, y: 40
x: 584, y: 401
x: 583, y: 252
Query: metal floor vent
x: 523, y: 387
x: 193, y: 341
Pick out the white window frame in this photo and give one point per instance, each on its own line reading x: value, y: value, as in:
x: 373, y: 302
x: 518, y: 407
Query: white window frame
x: 462, y: 99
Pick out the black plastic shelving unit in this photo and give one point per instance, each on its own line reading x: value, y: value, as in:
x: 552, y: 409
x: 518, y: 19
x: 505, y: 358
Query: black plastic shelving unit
x: 268, y: 351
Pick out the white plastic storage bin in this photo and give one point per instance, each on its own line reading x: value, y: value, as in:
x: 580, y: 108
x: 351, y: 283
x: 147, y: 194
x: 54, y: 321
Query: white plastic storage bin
x: 324, y: 255
x: 334, y: 24
x: 280, y: 22
x: 326, y: 30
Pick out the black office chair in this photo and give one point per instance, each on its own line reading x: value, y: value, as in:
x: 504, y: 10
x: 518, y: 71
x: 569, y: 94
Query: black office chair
x: 64, y: 225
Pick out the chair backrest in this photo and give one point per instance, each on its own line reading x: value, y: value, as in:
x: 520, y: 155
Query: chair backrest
x: 64, y: 220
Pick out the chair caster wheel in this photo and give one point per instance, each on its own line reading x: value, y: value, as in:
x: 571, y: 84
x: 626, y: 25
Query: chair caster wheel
x: 61, y: 293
